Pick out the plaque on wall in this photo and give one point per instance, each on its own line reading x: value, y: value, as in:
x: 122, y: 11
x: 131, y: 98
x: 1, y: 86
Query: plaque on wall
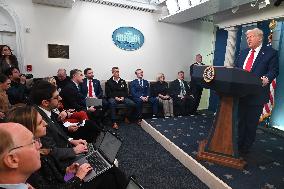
x: 58, y: 51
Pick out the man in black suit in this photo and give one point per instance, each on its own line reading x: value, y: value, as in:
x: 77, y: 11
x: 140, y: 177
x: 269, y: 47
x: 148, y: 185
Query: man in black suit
x: 74, y: 99
x: 71, y: 93
x: 117, y: 93
x: 45, y: 97
x: 196, y: 90
x: 183, y: 100
x: 262, y: 61
x: 17, y: 93
x: 61, y: 79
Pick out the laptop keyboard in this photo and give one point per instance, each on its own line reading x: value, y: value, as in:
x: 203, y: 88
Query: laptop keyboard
x: 91, y: 149
x: 97, y: 163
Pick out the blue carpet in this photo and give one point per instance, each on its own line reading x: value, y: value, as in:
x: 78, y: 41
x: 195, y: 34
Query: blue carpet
x: 265, y: 167
x: 152, y: 165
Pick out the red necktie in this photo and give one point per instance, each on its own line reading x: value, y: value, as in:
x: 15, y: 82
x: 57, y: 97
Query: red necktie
x: 250, y: 61
x: 90, y: 89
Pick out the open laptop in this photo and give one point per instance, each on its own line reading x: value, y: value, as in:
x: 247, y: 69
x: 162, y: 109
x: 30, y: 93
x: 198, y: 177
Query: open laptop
x: 133, y: 184
x: 95, y: 145
x: 94, y: 102
x: 102, y: 159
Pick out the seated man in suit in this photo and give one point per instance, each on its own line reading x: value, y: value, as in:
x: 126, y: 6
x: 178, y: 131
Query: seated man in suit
x: 61, y: 79
x: 117, y: 93
x: 71, y: 93
x: 45, y: 97
x: 74, y: 99
x: 262, y: 61
x: 17, y: 93
x: 182, y: 98
x: 19, y: 155
x: 92, y: 87
x: 140, y: 92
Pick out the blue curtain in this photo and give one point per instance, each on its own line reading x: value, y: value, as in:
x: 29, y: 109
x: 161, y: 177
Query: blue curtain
x: 277, y: 118
x: 219, y: 58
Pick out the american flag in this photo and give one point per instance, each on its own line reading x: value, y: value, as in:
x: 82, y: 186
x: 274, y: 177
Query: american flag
x: 267, y: 109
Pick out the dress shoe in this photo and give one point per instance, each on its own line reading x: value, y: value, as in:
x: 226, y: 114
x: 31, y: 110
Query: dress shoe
x: 115, y: 125
x: 126, y: 120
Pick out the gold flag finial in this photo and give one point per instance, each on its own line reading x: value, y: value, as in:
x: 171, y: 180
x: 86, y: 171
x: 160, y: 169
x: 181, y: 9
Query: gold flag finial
x: 272, y: 24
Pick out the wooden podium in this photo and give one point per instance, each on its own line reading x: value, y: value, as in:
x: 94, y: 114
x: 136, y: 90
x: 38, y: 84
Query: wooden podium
x: 230, y: 83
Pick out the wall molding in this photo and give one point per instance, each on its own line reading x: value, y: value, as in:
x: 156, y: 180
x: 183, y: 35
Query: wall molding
x: 19, y: 32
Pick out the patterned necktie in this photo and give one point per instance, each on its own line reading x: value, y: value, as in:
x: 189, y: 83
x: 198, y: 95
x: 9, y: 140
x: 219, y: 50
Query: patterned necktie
x: 140, y: 82
x: 250, y: 61
x: 90, y: 89
x: 182, y: 88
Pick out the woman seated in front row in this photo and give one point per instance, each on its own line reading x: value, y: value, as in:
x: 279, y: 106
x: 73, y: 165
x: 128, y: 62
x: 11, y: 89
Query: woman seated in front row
x: 160, y: 90
x: 51, y: 174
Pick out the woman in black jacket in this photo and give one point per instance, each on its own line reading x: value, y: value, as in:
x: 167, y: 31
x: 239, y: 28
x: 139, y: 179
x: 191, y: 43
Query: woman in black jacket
x: 7, y: 59
x: 160, y: 90
x: 52, y: 174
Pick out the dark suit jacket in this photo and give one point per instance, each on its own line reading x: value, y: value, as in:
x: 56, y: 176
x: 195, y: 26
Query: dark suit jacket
x: 56, y: 139
x: 265, y: 64
x: 72, y: 98
x: 62, y: 84
x: 194, y: 88
x: 116, y: 89
x: 175, y: 88
x: 159, y: 88
x: 96, y: 87
x: 137, y: 91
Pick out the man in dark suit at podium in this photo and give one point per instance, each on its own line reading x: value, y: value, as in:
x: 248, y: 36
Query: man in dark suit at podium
x: 195, y: 89
x: 263, y: 62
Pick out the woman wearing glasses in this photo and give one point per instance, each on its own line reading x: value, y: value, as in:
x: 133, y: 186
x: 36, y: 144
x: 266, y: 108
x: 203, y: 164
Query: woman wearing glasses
x: 7, y: 59
x: 52, y: 174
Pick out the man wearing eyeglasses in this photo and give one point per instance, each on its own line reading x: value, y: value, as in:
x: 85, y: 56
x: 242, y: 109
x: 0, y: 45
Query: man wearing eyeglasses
x: 19, y: 155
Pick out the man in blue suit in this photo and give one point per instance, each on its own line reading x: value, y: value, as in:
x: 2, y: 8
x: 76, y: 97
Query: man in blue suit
x: 262, y: 61
x: 140, y: 92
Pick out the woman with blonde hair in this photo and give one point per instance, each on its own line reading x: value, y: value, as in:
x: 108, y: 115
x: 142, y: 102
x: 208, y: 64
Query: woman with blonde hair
x: 160, y: 90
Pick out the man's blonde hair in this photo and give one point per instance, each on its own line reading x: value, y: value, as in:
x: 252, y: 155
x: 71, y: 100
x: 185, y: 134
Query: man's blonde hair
x: 258, y: 32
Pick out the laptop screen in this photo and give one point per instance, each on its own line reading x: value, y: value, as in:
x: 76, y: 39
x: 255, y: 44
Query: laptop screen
x: 110, y: 146
x: 133, y: 185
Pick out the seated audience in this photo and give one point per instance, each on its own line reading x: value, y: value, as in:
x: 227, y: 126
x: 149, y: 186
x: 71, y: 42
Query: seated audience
x: 7, y: 59
x: 18, y: 92
x: 74, y: 99
x: 71, y: 93
x: 117, y: 93
x: 61, y: 79
x: 19, y: 155
x: 182, y: 98
x: 160, y: 90
x: 4, y: 101
x: 51, y: 174
x: 140, y: 92
x: 69, y: 115
x: 45, y: 98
